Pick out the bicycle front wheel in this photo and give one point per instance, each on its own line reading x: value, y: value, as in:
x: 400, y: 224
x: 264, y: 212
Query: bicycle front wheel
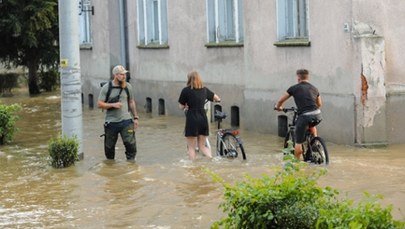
x: 232, y: 147
x: 319, y: 152
x: 289, y: 142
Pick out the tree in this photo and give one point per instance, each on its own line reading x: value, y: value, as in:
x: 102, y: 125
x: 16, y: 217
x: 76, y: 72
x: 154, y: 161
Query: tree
x: 29, y: 36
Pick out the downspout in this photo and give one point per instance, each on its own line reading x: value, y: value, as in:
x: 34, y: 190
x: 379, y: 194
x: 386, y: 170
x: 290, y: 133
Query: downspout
x: 123, y: 25
x: 123, y: 33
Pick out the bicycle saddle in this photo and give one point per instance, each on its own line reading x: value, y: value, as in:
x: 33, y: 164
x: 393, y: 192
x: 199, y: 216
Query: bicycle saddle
x: 219, y: 115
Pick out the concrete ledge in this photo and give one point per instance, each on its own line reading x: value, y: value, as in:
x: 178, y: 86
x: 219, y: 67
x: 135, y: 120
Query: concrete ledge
x: 293, y: 43
x: 86, y: 46
x: 227, y: 44
x: 153, y: 46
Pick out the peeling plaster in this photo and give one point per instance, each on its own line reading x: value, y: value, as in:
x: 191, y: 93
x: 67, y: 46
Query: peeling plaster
x: 361, y: 29
x: 373, y: 91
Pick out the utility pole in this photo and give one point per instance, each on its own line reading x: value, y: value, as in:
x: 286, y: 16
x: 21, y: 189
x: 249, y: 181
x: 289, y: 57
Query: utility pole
x: 71, y: 91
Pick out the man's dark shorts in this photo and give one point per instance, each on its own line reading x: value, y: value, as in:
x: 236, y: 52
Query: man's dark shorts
x: 303, y: 123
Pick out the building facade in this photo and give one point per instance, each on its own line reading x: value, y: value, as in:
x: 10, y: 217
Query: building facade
x: 248, y: 51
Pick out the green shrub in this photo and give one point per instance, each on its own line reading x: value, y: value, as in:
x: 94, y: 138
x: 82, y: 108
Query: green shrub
x: 63, y: 151
x: 8, y: 118
x: 292, y: 199
x: 367, y: 214
x: 8, y: 81
x: 49, y: 80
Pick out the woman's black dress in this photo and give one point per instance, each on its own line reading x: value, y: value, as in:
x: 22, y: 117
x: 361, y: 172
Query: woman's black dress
x: 196, y: 118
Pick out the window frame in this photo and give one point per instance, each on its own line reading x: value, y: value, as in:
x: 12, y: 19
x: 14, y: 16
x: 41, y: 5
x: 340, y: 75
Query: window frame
x: 224, y: 23
x: 85, y: 23
x: 290, y: 30
x: 152, y: 24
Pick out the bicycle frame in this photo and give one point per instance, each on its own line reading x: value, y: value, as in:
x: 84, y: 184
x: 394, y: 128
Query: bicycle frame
x: 225, y: 147
x: 314, y: 147
x: 219, y: 136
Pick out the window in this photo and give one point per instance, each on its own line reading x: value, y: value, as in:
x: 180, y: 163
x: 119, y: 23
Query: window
x: 292, y: 19
x: 152, y: 22
x: 224, y: 19
x: 86, y: 10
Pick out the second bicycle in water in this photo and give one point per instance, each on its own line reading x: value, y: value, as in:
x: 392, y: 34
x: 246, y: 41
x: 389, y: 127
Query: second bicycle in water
x: 308, y: 101
x: 314, y: 147
x: 228, y: 142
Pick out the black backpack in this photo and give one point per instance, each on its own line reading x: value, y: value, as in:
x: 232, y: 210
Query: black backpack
x: 110, y: 87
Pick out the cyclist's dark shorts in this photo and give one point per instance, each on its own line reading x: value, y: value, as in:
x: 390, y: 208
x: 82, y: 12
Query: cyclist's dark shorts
x: 303, y: 122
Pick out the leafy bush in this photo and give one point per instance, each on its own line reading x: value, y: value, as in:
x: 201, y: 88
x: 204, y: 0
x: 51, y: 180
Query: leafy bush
x: 8, y: 81
x: 367, y: 214
x: 8, y: 118
x: 49, y: 80
x: 63, y: 151
x: 292, y: 199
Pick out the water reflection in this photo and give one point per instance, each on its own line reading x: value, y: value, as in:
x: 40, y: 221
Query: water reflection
x: 162, y: 189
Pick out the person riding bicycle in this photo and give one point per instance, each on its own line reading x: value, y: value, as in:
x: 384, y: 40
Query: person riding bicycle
x: 308, y: 101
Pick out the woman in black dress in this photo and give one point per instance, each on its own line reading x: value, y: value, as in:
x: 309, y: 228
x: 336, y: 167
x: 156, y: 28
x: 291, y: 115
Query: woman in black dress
x: 192, y: 99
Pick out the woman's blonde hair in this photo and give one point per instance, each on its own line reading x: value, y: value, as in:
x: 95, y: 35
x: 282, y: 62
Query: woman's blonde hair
x: 194, y: 80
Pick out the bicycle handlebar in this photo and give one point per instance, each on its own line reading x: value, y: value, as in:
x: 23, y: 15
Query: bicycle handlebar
x: 285, y: 110
x: 290, y: 109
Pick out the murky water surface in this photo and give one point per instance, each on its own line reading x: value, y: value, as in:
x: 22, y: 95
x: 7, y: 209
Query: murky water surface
x: 162, y: 189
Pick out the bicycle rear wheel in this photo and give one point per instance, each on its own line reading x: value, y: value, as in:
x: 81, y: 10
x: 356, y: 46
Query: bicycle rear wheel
x: 231, y: 147
x: 319, y: 152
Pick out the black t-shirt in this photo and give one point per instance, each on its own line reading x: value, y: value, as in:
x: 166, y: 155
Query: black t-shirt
x: 195, y: 98
x: 305, y: 95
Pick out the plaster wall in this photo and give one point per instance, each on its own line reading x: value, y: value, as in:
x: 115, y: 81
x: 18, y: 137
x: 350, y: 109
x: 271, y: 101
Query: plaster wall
x: 382, y: 111
x: 104, y: 52
x: 395, y: 118
x: 94, y: 61
x: 252, y: 77
x: 391, y: 27
x: 187, y: 51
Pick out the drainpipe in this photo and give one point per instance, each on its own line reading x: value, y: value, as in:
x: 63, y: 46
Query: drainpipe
x: 122, y: 32
x: 71, y: 105
x: 124, y: 54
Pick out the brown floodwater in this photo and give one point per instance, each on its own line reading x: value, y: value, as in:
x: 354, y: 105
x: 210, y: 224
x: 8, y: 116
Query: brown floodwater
x: 162, y: 189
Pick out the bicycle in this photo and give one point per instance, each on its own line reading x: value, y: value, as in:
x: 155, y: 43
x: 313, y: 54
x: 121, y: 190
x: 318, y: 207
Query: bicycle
x: 314, y: 148
x: 228, y: 141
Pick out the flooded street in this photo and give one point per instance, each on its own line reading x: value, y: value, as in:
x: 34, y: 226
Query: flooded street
x: 162, y: 189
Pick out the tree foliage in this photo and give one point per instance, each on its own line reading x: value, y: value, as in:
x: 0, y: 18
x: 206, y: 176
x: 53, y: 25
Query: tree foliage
x: 29, y: 36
